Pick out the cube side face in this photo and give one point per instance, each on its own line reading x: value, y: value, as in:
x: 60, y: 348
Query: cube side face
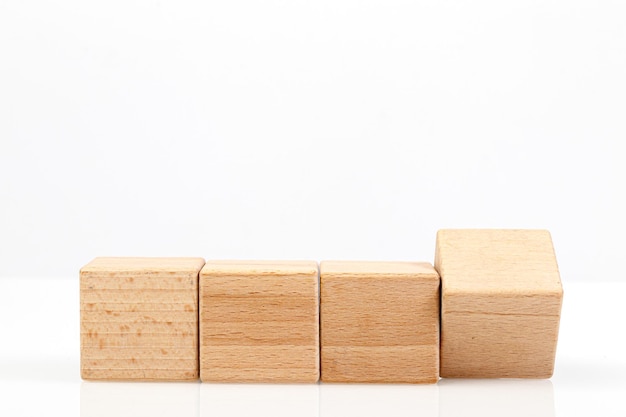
x: 512, y: 343
x: 501, y: 303
x: 259, y: 328
x: 137, y: 326
x: 381, y: 329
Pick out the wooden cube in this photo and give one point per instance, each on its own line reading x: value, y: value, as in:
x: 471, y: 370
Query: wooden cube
x: 501, y: 303
x: 379, y: 322
x: 259, y: 321
x: 139, y: 318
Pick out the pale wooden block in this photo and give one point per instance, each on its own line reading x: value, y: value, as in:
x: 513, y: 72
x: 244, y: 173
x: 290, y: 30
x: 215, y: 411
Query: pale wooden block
x: 501, y: 303
x: 259, y: 321
x: 139, y: 318
x: 379, y: 322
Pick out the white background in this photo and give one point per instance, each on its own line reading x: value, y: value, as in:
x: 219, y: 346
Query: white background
x: 326, y: 129
x: 343, y: 129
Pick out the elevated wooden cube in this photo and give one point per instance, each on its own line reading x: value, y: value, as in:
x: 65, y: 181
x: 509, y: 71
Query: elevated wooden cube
x: 379, y: 322
x: 139, y: 318
x: 501, y: 303
x: 259, y: 321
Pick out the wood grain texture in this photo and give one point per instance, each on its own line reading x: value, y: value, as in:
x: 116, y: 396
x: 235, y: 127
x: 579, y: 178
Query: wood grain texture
x: 501, y: 303
x: 379, y: 322
x: 139, y: 319
x: 259, y: 321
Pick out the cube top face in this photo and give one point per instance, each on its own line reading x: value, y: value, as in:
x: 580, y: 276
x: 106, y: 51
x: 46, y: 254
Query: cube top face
x: 501, y: 303
x: 259, y: 321
x: 145, y: 266
x: 380, y: 322
x: 378, y: 269
x: 493, y: 260
x: 261, y: 268
x: 139, y: 319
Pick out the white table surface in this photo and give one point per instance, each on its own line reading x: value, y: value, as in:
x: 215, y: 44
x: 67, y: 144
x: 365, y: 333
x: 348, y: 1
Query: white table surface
x: 39, y: 371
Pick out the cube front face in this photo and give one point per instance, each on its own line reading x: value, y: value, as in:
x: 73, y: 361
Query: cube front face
x: 139, y: 318
x: 379, y: 322
x: 259, y: 321
x: 501, y: 303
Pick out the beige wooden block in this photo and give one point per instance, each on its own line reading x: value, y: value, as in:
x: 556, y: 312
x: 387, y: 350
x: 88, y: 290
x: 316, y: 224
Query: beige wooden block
x: 379, y: 322
x: 259, y: 321
x: 139, y: 318
x: 501, y: 303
